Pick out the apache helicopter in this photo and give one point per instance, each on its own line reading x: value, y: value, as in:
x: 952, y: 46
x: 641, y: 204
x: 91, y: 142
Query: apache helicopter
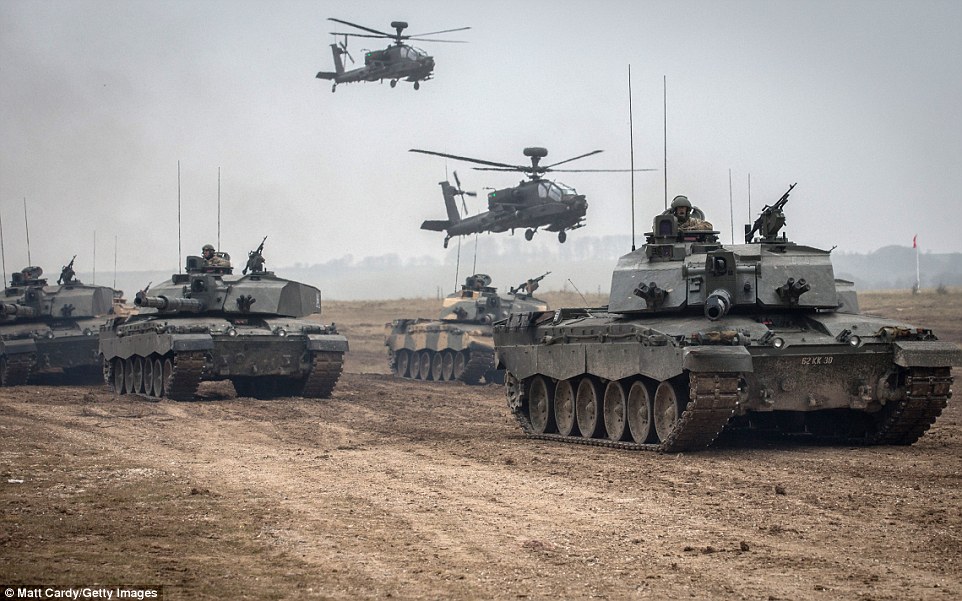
x: 395, y: 62
x: 532, y: 204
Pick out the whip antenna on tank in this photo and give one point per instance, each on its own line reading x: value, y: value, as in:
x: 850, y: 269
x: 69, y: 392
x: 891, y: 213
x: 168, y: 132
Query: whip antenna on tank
x: 94, y: 277
x: 3, y: 257
x: 664, y: 100
x: 26, y: 225
x: 579, y: 292
x: 631, y: 141
x: 731, y: 206
x: 218, y: 207
x: 180, y: 262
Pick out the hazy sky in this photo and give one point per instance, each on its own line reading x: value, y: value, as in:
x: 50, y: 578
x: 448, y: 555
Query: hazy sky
x: 859, y: 102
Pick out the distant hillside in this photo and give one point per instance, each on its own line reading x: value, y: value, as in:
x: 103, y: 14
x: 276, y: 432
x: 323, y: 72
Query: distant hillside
x: 585, y: 265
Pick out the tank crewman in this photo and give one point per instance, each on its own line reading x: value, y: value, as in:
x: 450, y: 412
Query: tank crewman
x: 682, y: 210
x: 212, y: 259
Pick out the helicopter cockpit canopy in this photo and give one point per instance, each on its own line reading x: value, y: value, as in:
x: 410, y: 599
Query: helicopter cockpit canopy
x: 554, y: 190
x: 412, y: 53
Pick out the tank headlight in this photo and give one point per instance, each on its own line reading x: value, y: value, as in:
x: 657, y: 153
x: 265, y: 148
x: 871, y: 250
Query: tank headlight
x: 50, y: 334
x: 231, y: 332
x: 88, y: 332
x: 170, y: 329
x: 778, y: 342
x: 855, y: 342
x: 280, y: 332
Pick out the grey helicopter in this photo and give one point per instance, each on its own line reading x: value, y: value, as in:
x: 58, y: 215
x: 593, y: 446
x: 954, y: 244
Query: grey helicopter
x: 396, y: 62
x: 532, y: 204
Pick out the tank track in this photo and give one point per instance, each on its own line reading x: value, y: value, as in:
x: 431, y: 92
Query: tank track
x: 325, y: 370
x: 928, y: 393
x: 479, y: 363
x: 712, y: 402
x: 17, y: 369
x: 185, y: 378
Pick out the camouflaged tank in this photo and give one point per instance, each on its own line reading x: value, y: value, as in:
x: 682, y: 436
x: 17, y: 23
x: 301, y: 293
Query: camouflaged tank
x: 46, y: 330
x: 208, y: 324
x: 458, y: 345
x: 699, y: 336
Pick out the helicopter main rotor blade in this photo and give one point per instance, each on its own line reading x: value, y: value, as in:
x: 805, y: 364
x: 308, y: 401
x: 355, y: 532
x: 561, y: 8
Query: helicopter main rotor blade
x: 518, y: 168
x: 418, y: 35
x: 598, y: 170
x: 361, y: 27
x: 581, y: 156
x: 505, y: 166
x: 433, y: 40
x: 362, y: 35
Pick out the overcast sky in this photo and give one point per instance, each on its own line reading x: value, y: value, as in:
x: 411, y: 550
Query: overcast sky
x: 859, y: 102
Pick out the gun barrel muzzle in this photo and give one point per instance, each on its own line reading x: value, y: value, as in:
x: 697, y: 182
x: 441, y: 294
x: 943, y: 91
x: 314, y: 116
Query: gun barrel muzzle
x: 718, y: 305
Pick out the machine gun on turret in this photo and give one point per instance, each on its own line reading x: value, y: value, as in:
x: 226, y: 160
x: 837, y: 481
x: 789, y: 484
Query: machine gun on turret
x: 528, y: 287
x: 67, y: 273
x: 255, y: 259
x: 770, y: 221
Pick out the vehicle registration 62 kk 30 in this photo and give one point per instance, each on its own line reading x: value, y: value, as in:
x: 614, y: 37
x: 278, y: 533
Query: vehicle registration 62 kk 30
x: 818, y: 360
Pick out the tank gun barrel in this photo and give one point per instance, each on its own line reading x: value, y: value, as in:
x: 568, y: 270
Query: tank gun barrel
x: 718, y: 304
x: 15, y: 309
x: 163, y: 303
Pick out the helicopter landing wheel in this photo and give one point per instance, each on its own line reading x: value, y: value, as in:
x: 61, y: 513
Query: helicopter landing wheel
x: 562, y: 236
x: 446, y: 242
x: 393, y: 83
x: 528, y: 234
x: 333, y: 88
x: 417, y: 85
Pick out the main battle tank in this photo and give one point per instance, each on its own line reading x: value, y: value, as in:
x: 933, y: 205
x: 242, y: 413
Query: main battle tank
x: 458, y: 345
x: 48, y: 329
x: 699, y: 336
x: 207, y: 324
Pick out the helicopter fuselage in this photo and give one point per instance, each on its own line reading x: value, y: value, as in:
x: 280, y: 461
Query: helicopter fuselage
x: 394, y: 63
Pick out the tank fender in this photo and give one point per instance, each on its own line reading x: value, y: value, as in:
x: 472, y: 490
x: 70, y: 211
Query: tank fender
x: 15, y: 347
x: 928, y: 353
x: 326, y: 342
x: 718, y: 358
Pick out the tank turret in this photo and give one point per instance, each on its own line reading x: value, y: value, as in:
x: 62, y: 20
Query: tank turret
x: 699, y: 336
x: 51, y: 330
x: 208, y: 324
x: 458, y: 345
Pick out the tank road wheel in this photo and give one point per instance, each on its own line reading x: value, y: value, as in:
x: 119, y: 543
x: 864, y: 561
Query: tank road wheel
x: 157, y: 383
x: 436, y: 367
x: 564, y: 408
x: 415, y: 366
x: 424, y: 365
x: 588, y: 407
x: 403, y: 363
x: 615, y: 410
x: 118, y: 383
x: 447, y: 365
x: 138, y: 375
x: 148, y: 377
x: 667, y: 408
x: 129, y: 374
x: 168, y: 374
x: 540, y: 410
x: 460, y: 361
x: 640, y: 412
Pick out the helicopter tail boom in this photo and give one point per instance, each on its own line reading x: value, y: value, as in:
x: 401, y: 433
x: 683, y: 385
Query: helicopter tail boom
x: 338, y: 64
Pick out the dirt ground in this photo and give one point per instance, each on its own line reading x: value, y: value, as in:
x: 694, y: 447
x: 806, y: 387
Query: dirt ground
x: 424, y: 491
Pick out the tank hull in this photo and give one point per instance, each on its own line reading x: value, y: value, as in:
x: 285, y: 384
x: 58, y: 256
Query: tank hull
x: 163, y: 356
x: 441, y: 351
x: 674, y: 383
x: 35, y: 349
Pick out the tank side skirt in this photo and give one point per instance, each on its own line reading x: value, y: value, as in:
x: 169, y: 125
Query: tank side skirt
x: 713, y: 398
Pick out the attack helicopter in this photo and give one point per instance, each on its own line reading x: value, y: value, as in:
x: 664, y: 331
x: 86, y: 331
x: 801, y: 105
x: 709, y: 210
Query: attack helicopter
x: 396, y: 62
x: 532, y: 204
